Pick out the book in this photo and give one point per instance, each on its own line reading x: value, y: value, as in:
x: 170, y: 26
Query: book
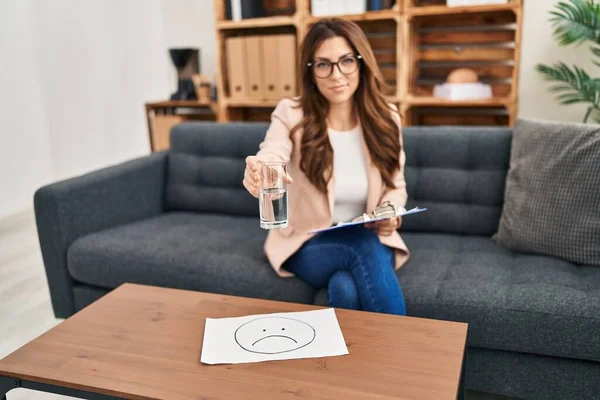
x: 374, y: 5
x: 236, y: 10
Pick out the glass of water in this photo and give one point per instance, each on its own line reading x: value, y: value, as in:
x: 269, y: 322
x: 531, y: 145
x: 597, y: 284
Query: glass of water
x: 272, y: 197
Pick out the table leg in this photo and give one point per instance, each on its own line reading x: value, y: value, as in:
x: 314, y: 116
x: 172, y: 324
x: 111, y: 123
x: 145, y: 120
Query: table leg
x: 462, y: 390
x: 7, y: 384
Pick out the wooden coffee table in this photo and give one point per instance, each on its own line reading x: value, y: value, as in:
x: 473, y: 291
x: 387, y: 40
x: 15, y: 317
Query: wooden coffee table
x: 141, y: 342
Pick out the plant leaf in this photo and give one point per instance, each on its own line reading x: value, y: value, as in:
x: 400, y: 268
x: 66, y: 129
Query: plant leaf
x: 595, y: 114
x: 560, y: 88
x: 576, y: 22
x: 596, y: 52
x: 572, y: 85
x: 574, y: 100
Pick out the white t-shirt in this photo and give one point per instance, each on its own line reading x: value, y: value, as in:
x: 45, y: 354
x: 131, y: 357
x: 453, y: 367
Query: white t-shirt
x: 351, y: 185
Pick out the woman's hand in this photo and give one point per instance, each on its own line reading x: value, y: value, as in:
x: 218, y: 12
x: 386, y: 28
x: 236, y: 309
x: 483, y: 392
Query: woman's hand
x: 385, y: 227
x: 253, y: 175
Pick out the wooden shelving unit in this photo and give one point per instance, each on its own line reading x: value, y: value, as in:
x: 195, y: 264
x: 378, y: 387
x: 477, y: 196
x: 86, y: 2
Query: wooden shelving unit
x: 163, y: 115
x: 417, y: 44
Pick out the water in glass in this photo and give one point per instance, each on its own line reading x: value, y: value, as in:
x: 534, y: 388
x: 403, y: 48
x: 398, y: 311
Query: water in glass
x: 273, y: 204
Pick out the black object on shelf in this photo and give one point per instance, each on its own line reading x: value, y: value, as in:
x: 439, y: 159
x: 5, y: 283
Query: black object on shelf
x: 249, y: 8
x: 187, y: 63
x: 185, y: 90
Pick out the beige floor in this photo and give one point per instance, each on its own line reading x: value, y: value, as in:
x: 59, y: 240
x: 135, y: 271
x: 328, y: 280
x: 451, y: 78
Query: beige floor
x: 25, y: 308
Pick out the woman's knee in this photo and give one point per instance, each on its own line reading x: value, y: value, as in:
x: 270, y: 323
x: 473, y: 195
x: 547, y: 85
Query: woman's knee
x: 342, y: 291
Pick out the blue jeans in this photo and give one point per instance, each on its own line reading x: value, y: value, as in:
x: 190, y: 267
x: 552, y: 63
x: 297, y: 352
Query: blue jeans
x: 355, y: 266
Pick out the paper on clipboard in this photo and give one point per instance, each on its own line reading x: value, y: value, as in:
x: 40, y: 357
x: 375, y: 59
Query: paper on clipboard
x: 347, y: 224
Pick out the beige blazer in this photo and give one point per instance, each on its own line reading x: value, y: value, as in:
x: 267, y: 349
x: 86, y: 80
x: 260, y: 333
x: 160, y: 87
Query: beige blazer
x: 307, y: 207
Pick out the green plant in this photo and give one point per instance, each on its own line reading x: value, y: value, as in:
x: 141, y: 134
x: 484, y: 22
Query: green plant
x: 576, y: 22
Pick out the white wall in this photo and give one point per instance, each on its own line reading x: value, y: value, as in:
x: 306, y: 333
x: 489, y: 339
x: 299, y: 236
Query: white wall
x: 25, y: 161
x: 75, y: 76
x: 539, y: 46
x: 100, y: 61
x: 190, y: 23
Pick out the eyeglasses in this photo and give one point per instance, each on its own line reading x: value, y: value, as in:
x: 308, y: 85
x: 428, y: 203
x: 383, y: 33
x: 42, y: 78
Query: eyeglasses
x: 324, y: 68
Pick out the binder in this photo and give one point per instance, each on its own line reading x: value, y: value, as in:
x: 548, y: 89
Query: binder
x: 254, y: 66
x: 287, y: 65
x: 236, y: 72
x: 270, y: 67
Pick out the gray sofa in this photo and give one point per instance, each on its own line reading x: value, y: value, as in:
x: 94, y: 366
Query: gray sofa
x: 182, y: 219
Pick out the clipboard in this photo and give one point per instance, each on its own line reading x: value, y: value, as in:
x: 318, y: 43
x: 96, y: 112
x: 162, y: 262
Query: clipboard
x: 343, y: 225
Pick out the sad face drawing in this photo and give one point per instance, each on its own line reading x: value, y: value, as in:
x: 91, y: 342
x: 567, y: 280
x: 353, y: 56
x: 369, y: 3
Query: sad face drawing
x: 274, y: 335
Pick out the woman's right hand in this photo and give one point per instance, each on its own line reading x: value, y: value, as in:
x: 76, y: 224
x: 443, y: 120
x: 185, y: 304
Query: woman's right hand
x: 253, y: 176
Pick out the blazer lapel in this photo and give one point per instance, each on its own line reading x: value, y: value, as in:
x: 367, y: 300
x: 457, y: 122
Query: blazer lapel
x: 331, y: 193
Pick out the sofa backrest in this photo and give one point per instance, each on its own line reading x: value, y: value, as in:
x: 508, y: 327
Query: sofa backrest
x: 206, y: 167
x: 458, y: 173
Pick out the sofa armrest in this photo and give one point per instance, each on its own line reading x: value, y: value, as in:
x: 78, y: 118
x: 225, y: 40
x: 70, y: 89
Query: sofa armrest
x: 98, y: 200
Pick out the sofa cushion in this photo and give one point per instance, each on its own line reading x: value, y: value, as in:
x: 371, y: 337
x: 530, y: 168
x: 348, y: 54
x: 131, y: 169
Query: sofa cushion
x: 552, y: 200
x: 512, y: 301
x: 206, y: 165
x: 459, y: 174
x: 203, y: 252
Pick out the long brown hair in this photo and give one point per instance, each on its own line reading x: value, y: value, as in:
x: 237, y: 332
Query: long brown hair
x: 381, y: 132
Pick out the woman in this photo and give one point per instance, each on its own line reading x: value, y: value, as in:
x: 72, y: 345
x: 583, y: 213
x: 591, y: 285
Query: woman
x: 343, y: 145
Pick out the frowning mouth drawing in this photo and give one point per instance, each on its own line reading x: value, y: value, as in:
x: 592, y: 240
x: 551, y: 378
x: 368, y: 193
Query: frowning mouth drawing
x: 271, y: 336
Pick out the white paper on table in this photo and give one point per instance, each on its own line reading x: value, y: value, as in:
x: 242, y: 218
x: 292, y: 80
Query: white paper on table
x: 277, y: 336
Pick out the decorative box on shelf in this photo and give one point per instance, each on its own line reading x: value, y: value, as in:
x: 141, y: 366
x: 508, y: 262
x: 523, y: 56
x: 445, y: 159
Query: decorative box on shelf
x: 462, y: 91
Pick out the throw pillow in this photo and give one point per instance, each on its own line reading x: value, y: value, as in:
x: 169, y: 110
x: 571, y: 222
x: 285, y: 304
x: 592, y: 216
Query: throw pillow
x: 552, y: 196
